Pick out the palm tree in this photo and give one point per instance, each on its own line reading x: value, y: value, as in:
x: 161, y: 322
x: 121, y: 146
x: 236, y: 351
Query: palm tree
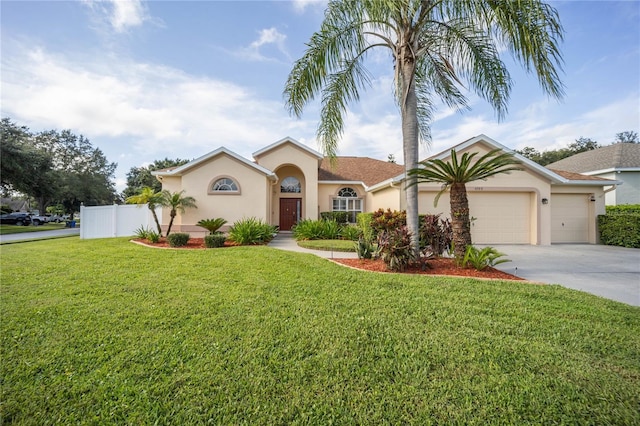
x: 176, y: 201
x: 454, y: 175
x: 440, y: 48
x: 152, y: 199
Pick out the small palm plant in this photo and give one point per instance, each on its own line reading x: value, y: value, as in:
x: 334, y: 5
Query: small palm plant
x: 177, y: 201
x: 152, y: 199
x: 211, y: 225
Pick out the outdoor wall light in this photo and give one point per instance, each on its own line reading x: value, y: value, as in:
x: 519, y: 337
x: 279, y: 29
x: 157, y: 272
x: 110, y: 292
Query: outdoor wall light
x: 545, y: 201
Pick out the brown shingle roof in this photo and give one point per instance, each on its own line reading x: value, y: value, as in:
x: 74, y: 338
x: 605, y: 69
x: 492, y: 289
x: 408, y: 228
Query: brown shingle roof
x: 616, y: 156
x: 576, y: 176
x: 359, y: 169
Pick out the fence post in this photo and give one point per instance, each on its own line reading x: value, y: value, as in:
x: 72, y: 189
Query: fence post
x: 114, y: 229
x: 82, y: 220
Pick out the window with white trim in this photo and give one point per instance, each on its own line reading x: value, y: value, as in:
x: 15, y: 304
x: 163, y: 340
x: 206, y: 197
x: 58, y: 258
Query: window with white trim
x: 348, y: 201
x: 290, y: 185
x: 224, y: 185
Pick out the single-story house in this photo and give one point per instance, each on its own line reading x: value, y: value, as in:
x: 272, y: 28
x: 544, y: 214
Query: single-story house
x: 288, y: 181
x: 620, y: 162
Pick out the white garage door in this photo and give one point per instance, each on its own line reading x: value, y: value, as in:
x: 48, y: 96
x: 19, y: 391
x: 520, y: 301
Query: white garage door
x: 501, y: 217
x: 569, y: 218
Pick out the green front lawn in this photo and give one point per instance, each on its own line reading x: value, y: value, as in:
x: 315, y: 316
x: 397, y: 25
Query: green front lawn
x: 13, y: 229
x: 109, y: 332
x: 328, y: 245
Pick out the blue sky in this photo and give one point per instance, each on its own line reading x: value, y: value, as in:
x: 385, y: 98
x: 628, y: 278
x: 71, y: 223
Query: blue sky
x: 148, y: 80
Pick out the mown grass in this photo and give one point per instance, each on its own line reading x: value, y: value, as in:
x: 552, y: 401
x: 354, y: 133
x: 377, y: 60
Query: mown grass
x: 328, y: 245
x: 13, y: 229
x: 116, y: 333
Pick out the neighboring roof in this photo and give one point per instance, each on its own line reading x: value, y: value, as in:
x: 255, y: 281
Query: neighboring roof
x: 577, y: 176
x: 286, y: 140
x: 613, y: 157
x: 358, y: 169
x: 178, y: 171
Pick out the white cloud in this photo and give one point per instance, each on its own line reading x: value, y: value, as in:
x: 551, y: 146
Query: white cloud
x: 301, y: 5
x: 121, y: 15
x: 266, y: 37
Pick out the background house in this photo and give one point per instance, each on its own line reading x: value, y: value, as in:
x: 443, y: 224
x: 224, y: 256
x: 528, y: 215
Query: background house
x: 620, y: 162
x: 288, y: 181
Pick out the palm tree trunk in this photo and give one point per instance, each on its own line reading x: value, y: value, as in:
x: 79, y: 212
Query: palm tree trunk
x: 410, y: 141
x: 460, y: 219
x: 173, y: 215
x: 155, y: 217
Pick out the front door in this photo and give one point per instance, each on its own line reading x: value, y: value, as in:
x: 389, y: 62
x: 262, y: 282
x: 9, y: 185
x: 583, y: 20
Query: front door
x: 289, y: 212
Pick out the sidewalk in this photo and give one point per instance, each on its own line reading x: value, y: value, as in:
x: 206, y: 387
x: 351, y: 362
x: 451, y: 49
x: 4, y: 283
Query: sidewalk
x: 40, y: 235
x: 284, y: 241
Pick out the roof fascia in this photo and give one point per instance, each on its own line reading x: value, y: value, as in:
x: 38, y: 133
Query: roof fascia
x: 343, y: 182
x: 222, y: 150
x: 289, y: 140
x: 612, y: 170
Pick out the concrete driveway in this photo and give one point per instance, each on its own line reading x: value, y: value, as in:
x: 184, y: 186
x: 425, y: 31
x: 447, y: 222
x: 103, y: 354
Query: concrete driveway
x: 610, y: 272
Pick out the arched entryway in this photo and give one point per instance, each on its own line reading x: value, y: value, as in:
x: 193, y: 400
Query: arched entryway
x: 289, y: 197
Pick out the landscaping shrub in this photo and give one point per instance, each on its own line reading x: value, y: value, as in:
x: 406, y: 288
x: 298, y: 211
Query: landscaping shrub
x: 350, y: 232
x: 178, y: 239
x: 482, y: 258
x: 388, y: 220
x: 364, y: 248
x: 153, y: 236
x: 394, y: 248
x: 147, y: 234
x: 308, y: 229
x: 251, y: 231
x: 623, y: 209
x: 214, y: 240
x: 620, y: 229
x: 340, y: 217
x: 211, y: 225
x: 364, y: 223
x: 436, y: 234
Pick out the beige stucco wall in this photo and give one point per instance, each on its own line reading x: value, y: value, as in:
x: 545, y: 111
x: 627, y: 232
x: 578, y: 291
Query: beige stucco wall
x: 386, y: 198
x: 328, y: 191
x: 251, y: 201
x: 289, y: 158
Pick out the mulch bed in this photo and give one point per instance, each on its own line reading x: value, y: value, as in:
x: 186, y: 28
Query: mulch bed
x: 442, y: 266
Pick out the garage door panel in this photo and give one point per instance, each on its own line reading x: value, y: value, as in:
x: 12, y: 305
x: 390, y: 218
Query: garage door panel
x: 569, y: 218
x: 500, y: 218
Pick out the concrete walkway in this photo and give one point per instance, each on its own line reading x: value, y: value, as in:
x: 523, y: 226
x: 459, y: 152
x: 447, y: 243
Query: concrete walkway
x: 610, y: 272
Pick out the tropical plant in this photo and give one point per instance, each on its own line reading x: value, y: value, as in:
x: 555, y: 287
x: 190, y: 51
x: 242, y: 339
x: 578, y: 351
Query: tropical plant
x: 394, y: 248
x: 340, y: 217
x: 364, y: 248
x: 308, y: 229
x: 251, y: 231
x: 179, y: 239
x: 453, y: 175
x: 214, y: 240
x: 350, y: 232
x: 387, y: 220
x: 211, y: 225
x: 177, y: 202
x: 152, y: 199
x: 436, y: 234
x: 440, y: 49
x: 482, y: 258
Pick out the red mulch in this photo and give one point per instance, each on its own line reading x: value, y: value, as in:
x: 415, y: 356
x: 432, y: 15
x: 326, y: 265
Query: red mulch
x: 442, y: 266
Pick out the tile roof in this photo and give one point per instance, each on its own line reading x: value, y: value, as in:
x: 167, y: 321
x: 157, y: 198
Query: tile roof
x: 616, y: 156
x: 358, y: 169
x: 576, y: 176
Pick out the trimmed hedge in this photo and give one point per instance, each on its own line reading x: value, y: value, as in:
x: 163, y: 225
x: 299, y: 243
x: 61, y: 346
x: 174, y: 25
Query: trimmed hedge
x: 620, y: 229
x: 624, y: 209
x: 340, y: 217
x: 178, y: 240
x: 214, y: 240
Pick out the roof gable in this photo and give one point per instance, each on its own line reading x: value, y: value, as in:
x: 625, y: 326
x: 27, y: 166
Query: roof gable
x: 358, y: 169
x: 284, y: 141
x: 179, y: 171
x: 616, y: 156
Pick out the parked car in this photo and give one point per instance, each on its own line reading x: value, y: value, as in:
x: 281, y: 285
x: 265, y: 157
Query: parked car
x: 20, y: 219
x: 54, y: 218
x: 37, y: 219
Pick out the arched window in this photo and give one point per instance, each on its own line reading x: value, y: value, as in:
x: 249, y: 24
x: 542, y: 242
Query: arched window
x: 224, y: 185
x: 348, y: 201
x: 290, y: 185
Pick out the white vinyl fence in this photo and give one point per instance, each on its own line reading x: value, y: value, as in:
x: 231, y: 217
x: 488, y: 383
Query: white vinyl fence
x: 115, y: 221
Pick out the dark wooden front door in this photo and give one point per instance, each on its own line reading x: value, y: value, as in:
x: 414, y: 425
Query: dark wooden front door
x: 289, y: 212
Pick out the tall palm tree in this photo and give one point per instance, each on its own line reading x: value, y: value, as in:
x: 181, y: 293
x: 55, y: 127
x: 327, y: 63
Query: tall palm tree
x: 177, y: 201
x: 152, y: 199
x: 440, y: 48
x: 453, y: 175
